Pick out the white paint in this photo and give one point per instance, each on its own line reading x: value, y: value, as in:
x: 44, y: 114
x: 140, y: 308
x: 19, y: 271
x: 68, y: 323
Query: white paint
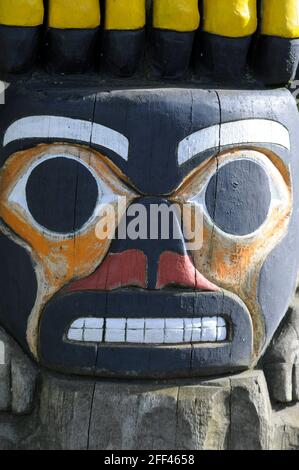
x: 111, y: 140
x: 135, y: 336
x: 75, y: 334
x: 18, y: 194
x: 221, y: 333
x: 55, y: 127
x: 279, y: 190
x: 209, y: 334
x: 149, y: 330
x: 154, y: 336
x: 135, y: 323
x: 174, y: 323
x: 174, y: 336
x: 197, y: 143
x: 2, y: 353
x: 116, y: 323
x: 196, y: 335
x: 115, y: 336
x: 154, y: 324
x: 93, y: 335
x: 78, y: 323
x: 247, y: 131
x: 94, y: 323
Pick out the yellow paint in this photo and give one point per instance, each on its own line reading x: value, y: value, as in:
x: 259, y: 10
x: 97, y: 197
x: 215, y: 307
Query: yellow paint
x: 176, y: 15
x: 230, y: 18
x: 21, y: 12
x: 68, y: 14
x: 280, y: 18
x: 125, y: 15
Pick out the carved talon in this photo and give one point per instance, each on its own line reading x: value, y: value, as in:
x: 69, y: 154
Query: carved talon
x: 281, y: 362
x: 18, y: 378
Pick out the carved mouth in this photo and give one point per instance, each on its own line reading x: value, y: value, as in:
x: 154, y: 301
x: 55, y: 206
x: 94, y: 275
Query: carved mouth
x: 151, y: 331
x: 142, y: 333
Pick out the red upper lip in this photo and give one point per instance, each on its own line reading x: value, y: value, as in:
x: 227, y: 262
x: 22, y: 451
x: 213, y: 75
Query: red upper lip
x: 129, y: 269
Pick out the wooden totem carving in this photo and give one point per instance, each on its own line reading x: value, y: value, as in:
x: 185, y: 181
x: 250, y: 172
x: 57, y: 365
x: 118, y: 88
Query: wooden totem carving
x: 118, y: 111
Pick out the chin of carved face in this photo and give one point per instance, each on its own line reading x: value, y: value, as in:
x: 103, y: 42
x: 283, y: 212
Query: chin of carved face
x: 94, y: 282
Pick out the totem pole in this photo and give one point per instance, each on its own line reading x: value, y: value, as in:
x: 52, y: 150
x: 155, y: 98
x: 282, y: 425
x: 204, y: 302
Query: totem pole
x: 118, y: 330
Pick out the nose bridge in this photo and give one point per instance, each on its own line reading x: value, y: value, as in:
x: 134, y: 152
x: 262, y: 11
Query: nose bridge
x: 152, y: 226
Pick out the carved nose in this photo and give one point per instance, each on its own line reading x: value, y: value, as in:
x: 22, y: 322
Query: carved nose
x: 147, y: 263
x: 178, y: 270
x: 129, y: 269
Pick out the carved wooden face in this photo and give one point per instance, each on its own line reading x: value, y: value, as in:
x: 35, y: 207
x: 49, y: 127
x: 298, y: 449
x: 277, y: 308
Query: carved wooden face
x: 130, y: 301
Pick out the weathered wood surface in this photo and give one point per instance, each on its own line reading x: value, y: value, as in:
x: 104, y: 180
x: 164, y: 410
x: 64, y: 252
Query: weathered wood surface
x: 45, y: 411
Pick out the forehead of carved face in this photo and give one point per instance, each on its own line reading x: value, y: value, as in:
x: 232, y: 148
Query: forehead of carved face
x: 206, y: 297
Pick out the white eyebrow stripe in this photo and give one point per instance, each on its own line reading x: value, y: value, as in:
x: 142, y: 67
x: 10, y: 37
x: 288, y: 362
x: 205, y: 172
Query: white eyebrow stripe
x: 232, y: 133
x: 198, y: 142
x: 110, y: 139
x: 55, y: 127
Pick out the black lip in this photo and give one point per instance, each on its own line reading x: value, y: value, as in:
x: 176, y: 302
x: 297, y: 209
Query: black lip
x: 144, y: 361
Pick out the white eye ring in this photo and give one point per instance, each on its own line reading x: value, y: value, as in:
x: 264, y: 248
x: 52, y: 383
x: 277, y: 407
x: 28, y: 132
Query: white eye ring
x: 279, y: 192
x: 18, y: 195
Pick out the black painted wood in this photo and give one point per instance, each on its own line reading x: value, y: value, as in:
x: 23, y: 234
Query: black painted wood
x: 225, y: 58
x: 61, y: 195
x: 155, y: 121
x: 276, y: 59
x: 19, y: 48
x: 238, y: 197
x: 145, y: 361
x: 171, y: 53
x: 18, y: 289
x: 123, y: 51
x: 71, y: 50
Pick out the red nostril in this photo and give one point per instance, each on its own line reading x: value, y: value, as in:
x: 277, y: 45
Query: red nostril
x: 175, y: 269
x: 117, y: 270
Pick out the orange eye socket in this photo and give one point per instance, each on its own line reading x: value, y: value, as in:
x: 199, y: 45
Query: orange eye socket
x: 61, y: 193
x: 61, y: 189
x: 239, y: 192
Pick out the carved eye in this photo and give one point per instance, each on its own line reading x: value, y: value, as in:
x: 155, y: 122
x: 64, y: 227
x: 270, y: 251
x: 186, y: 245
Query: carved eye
x: 60, y: 193
x: 238, y: 197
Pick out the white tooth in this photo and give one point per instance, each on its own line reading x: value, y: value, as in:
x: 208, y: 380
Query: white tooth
x: 93, y: 336
x: 221, y: 322
x: 78, y: 323
x: 116, y: 323
x: 187, y: 335
x: 209, y: 334
x: 155, y: 324
x: 196, y: 322
x: 94, y: 323
x: 221, y: 333
x: 188, y: 323
x: 75, y: 334
x: 154, y: 336
x: 135, y: 323
x: 174, y: 323
x: 196, y: 335
x: 135, y: 336
x: 115, y: 336
x: 209, y: 322
x: 174, y: 336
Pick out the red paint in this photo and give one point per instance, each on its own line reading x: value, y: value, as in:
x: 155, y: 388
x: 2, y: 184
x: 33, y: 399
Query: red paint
x: 117, y: 270
x: 175, y: 269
